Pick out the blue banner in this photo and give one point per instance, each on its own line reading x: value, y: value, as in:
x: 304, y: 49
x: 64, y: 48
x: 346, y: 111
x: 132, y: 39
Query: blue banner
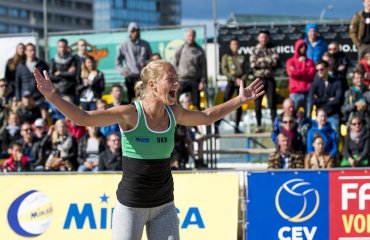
x: 287, y: 205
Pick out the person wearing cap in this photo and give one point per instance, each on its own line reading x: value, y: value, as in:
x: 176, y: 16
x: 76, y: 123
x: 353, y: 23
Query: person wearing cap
x: 135, y: 52
x: 191, y: 65
x: 263, y: 62
x: 316, y: 46
x: 24, y: 79
x: 28, y: 111
x: 359, y: 29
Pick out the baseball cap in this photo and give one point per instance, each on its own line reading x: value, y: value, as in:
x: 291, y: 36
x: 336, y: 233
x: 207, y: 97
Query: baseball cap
x: 40, y: 122
x: 133, y: 25
x: 26, y: 94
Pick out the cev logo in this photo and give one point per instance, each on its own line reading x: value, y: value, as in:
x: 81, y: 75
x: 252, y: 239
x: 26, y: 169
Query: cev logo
x: 297, y: 188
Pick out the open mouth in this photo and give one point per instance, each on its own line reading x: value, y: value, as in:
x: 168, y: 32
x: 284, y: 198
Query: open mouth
x: 172, y: 94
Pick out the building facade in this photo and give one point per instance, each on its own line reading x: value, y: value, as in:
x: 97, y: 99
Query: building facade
x: 113, y: 14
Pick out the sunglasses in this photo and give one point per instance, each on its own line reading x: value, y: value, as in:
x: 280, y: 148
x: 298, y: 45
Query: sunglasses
x: 27, y: 129
x: 320, y: 69
x: 3, y: 85
x: 356, y: 123
x: 285, y: 122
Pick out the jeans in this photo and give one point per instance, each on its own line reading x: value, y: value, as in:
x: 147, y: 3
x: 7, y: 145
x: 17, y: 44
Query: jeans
x: 334, y: 121
x: 300, y: 100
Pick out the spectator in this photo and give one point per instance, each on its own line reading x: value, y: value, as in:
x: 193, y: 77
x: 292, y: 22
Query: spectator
x: 341, y: 63
x: 316, y: 46
x: 364, y: 66
x: 136, y: 52
x: 63, y: 71
x: 318, y: 158
x: 17, y: 162
x: 359, y: 29
x: 24, y: 79
x: 11, y: 67
x: 81, y: 56
x: 289, y: 128
x: 111, y: 158
x: 92, y: 86
x: 89, y: 148
x: 75, y: 130
x: 288, y: 110
x: 326, y: 92
x: 356, y: 145
x: 105, y: 131
x: 116, y: 93
x: 43, y: 147
x: 191, y: 65
x: 233, y: 66
x: 40, y: 128
x: 5, y: 102
x: 322, y: 127
x: 263, y: 62
x: 45, y: 114
x: 301, y: 72
x: 28, y: 111
x: 357, y: 99
x: 155, y: 56
x: 63, y: 156
x: 284, y: 157
x: 9, y: 133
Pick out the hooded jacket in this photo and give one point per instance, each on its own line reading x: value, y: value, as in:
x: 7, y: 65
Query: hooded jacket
x: 329, y: 136
x: 315, y: 52
x: 300, y: 73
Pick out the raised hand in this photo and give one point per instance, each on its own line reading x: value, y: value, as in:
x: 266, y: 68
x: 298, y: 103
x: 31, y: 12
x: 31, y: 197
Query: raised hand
x: 253, y: 91
x: 44, y: 84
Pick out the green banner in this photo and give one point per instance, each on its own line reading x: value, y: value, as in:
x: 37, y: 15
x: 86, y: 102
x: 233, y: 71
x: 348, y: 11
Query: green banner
x: 102, y: 46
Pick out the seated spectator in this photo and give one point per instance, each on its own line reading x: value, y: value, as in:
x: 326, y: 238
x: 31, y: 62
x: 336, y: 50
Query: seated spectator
x: 45, y: 114
x: 284, y: 157
x: 322, y: 127
x: 28, y: 111
x: 105, y: 131
x: 92, y: 85
x: 341, y: 63
x: 301, y: 72
x: 43, y: 149
x: 357, y: 99
x: 364, y: 65
x: 356, y: 145
x: 28, y: 142
x: 326, y: 92
x: 318, y: 158
x: 40, y: 128
x: 89, y: 148
x: 9, y: 133
x: 116, y: 93
x: 75, y: 130
x: 63, y: 156
x: 289, y: 129
x: 17, y: 162
x: 5, y: 102
x: 111, y: 158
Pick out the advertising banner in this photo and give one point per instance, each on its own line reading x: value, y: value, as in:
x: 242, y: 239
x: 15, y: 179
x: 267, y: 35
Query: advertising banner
x: 8, y: 46
x: 350, y: 205
x: 287, y: 205
x: 59, y: 207
x: 102, y: 46
x: 283, y: 36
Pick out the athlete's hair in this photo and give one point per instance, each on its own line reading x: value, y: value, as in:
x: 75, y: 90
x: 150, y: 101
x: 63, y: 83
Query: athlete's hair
x: 152, y: 71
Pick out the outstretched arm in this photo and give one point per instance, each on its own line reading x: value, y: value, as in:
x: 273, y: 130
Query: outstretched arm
x: 80, y: 117
x: 210, y: 115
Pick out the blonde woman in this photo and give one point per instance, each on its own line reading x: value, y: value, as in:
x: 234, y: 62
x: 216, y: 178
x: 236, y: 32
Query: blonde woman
x: 145, y: 194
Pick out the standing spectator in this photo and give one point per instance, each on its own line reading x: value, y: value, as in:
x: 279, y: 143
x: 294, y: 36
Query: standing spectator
x: 318, y: 158
x: 316, y: 45
x: 322, y: 127
x: 17, y: 162
x: 11, y: 67
x: 356, y: 145
x: 92, y: 86
x: 233, y: 66
x: 136, y: 52
x: 24, y: 79
x: 263, y: 62
x: 357, y: 99
x: 359, y: 29
x: 326, y: 92
x: 116, y: 93
x: 284, y: 157
x: 89, y: 148
x: 111, y: 158
x: 28, y: 111
x: 301, y: 71
x: 191, y: 65
x: 63, y: 156
x: 63, y: 71
x: 80, y: 57
x: 341, y: 63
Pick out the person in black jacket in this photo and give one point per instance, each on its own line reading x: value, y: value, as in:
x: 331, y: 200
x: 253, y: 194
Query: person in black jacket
x: 92, y: 85
x: 11, y: 67
x: 341, y: 64
x: 111, y: 158
x: 326, y: 92
x: 24, y: 79
x: 63, y: 71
